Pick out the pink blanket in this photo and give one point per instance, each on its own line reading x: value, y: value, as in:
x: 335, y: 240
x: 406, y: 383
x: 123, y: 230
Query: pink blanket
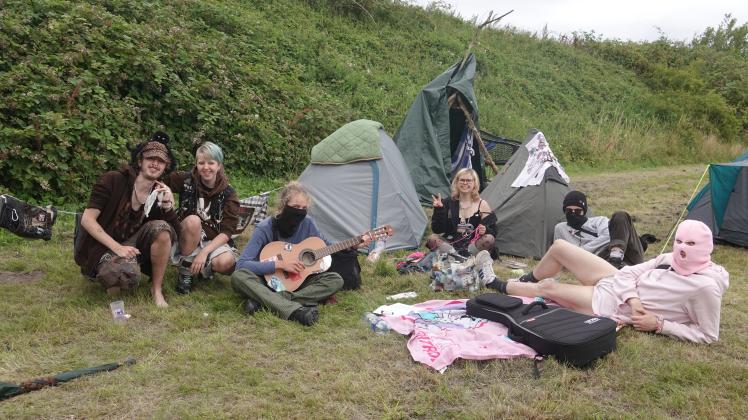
x: 442, y: 332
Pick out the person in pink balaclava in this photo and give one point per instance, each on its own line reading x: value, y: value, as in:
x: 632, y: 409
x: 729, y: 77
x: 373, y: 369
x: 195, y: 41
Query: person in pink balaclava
x: 676, y: 294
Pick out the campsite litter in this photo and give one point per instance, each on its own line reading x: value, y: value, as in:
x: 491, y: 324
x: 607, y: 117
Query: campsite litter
x: 440, y: 332
x: 8, y: 389
x: 118, y: 311
x: 376, y: 323
x: 404, y: 295
x: 513, y: 264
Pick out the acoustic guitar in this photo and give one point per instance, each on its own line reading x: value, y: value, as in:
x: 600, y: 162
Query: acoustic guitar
x: 313, y: 253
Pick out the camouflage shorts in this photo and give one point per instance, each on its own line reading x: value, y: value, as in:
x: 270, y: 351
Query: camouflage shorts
x: 116, y: 271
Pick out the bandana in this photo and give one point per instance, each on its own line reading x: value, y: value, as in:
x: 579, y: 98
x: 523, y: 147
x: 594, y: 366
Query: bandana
x: 288, y: 220
x: 576, y: 221
x: 689, y: 259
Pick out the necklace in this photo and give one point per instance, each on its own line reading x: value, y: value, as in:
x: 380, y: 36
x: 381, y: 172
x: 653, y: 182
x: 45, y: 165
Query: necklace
x: 137, y: 199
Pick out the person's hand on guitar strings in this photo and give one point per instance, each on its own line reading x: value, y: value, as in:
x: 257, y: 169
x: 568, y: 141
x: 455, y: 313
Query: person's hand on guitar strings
x: 289, y: 266
x: 366, y: 239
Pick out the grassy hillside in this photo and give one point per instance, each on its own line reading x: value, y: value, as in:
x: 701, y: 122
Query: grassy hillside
x: 83, y: 81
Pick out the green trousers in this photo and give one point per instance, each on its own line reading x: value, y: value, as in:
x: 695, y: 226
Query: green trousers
x: 316, y: 288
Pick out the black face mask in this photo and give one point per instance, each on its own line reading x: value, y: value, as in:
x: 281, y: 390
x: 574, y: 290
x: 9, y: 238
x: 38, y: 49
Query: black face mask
x: 288, y: 220
x: 575, y: 220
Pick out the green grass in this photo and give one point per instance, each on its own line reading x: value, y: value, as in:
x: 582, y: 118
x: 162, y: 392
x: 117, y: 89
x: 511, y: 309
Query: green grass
x: 202, y: 357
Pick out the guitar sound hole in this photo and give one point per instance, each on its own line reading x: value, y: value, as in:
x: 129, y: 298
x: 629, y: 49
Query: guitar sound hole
x: 307, y: 258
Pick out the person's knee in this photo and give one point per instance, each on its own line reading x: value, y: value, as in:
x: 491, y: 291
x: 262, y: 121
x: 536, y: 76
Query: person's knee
x: 485, y: 243
x: 119, y: 273
x: 547, y: 287
x: 164, y: 237
x: 620, y: 216
x: 433, y: 242
x: 224, y: 263
x: 240, y: 279
x: 559, y: 244
x: 334, y: 281
x: 191, y: 225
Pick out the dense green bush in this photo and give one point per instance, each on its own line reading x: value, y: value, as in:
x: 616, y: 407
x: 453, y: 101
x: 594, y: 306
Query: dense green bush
x: 82, y: 82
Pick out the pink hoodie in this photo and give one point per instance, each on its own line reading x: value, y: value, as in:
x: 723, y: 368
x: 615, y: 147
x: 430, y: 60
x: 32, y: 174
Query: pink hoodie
x: 690, y: 305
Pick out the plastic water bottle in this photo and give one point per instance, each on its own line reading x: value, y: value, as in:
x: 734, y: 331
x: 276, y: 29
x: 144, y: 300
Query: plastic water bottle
x: 377, y: 251
x: 376, y: 323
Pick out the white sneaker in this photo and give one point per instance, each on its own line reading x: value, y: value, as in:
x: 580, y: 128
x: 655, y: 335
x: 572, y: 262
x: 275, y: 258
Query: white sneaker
x: 484, y: 265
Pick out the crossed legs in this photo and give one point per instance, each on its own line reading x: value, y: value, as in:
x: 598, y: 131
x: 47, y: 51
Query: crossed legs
x: 587, y: 268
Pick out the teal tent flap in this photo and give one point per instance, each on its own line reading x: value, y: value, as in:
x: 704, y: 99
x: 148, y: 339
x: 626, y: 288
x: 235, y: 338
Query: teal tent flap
x: 722, y: 179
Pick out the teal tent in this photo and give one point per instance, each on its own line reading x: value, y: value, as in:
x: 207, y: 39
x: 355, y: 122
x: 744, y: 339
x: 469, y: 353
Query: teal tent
x: 435, y: 138
x: 723, y: 203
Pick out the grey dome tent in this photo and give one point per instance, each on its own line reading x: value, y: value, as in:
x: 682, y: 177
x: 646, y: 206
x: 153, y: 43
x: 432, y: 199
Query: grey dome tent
x: 433, y: 129
x: 527, y: 196
x: 723, y: 203
x: 358, y: 181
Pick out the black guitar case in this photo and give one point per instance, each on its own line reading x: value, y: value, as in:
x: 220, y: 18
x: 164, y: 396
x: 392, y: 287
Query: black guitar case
x: 571, y: 337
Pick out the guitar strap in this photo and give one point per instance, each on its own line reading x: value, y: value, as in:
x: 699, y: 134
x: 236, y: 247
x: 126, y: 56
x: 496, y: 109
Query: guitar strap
x: 274, y: 228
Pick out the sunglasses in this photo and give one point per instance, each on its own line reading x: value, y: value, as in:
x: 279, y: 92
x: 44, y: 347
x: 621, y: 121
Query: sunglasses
x: 578, y: 212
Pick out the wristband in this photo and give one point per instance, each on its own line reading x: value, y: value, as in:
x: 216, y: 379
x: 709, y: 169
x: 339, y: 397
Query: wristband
x: 660, y: 324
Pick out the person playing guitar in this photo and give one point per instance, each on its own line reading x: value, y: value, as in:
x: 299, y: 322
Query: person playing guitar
x: 291, y: 225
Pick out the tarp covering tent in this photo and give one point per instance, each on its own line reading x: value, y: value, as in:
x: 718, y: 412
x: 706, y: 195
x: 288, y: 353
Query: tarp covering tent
x: 723, y: 203
x: 358, y: 181
x: 527, y: 196
x: 433, y: 131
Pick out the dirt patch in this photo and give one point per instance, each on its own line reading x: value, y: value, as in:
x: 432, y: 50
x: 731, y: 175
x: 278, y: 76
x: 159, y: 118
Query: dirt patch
x: 10, y: 277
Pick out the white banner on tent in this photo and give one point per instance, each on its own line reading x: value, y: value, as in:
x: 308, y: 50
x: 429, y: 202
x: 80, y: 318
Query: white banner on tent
x: 540, y: 158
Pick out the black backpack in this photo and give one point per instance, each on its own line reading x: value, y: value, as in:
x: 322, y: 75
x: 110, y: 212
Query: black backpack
x: 570, y: 337
x: 346, y: 264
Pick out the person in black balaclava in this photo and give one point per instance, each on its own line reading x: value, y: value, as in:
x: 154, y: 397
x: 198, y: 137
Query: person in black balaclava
x: 614, y: 239
x: 291, y: 225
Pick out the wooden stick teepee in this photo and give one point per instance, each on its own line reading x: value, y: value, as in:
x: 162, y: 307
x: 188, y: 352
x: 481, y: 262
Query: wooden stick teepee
x: 490, y: 20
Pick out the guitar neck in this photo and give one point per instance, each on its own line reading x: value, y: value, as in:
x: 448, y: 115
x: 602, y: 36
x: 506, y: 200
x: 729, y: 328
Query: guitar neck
x: 338, y: 246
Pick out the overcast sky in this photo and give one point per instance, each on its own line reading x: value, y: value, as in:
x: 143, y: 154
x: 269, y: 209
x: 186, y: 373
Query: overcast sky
x: 635, y: 20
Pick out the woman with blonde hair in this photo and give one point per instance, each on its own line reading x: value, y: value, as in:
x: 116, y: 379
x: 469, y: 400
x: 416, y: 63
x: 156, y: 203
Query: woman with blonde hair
x: 463, y: 217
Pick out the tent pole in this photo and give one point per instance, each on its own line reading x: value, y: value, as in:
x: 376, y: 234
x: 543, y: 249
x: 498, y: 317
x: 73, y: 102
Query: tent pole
x: 476, y: 133
x: 683, y: 213
x: 474, y: 41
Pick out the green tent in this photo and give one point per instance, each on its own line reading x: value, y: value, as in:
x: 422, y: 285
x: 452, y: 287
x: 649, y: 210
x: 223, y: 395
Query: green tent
x: 723, y: 203
x: 431, y: 133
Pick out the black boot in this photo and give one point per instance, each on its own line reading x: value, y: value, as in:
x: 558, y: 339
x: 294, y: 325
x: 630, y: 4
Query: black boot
x: 306, y: 315
x: 184, y: 284
x: 251, y: 306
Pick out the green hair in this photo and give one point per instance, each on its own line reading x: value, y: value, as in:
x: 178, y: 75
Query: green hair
x: 211, y: 151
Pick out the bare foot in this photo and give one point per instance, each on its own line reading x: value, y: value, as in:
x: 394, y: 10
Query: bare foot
x: 158, y: 299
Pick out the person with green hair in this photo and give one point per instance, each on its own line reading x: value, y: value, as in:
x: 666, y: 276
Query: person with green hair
x: 208, y: 215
